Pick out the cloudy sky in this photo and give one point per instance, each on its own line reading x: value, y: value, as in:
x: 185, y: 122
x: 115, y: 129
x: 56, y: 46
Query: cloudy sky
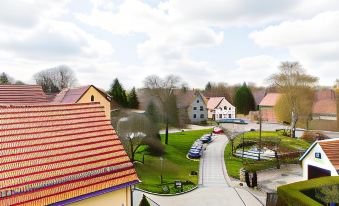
x: 228, y: 41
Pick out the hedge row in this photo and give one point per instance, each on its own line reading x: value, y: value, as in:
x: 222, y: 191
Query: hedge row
x: 292, y: 194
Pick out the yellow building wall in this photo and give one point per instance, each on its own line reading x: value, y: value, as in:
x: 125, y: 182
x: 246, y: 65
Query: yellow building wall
x: 120, y: 197
x: 98, y: 97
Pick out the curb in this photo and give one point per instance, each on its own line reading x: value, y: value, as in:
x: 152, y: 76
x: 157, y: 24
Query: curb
x: 164, y: 195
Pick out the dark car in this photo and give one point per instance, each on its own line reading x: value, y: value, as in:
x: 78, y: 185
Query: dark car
x: 206, y: 138
x: 194, y: 153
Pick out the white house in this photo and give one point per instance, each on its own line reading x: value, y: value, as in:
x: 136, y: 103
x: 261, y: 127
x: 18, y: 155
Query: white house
x: 321, y: 159
x: 220, y: 108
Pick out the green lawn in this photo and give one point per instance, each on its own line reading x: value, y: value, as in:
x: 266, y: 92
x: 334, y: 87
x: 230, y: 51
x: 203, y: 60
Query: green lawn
x: 233, y: 164
x: 175, y: 166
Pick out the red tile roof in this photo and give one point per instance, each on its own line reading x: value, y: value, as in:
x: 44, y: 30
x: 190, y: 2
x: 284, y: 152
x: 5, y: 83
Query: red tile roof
x: 213, y: 102
x: 72, y: 95
x: 22, y: 94
x: 331, y: 149
x: 50, y: 153
x: 326, y: 106
x: 270, y: 99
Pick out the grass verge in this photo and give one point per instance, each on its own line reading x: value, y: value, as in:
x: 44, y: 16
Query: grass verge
x: 175, y: 164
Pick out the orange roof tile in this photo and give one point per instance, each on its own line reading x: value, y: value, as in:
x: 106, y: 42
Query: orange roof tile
x: 22, y: 94
x: 270, y: 99
x: 51, y: 153
x: 331, y: 149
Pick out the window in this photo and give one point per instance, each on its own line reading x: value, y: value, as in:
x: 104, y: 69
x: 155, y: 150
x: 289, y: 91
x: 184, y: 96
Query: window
x: 92, y: 98
x: 194, y: 116
x: 201, y: 108
x: 220, y: 116
x: 225, y: 107
x: 225, y: 115
x: 229, y: 116
x: 229, y: 108
x: 194, y: 108
x: 202, y: 116
x: 198, y: 101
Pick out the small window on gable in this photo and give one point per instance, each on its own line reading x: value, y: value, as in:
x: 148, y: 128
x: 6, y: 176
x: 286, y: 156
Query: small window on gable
x: 92, y: 98
x: 198, y: 101
x: 225, y: 107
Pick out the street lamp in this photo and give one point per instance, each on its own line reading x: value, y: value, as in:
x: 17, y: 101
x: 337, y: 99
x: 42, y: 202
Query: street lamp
x: 161, y: 167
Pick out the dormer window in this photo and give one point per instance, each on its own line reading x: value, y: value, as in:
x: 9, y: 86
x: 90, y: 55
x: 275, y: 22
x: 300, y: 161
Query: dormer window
x: 92, y: 98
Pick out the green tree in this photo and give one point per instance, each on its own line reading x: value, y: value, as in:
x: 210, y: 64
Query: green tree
x: 208, y: 86
x: 152, y: 112
x: 4, y: 78
x: 296, y: 85
x: 118, y: 93
x: 144, y: 201
x: 244, y: 100
x: 133, y: 101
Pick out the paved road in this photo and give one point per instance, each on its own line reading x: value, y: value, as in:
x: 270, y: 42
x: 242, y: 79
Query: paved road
x: 213, y: 189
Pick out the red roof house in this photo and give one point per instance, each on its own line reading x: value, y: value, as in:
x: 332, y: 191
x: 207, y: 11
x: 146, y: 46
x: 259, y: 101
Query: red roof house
x: 325, y: 105
x: 267, y: 107
x: 59, y: 154
x: 22, y: 94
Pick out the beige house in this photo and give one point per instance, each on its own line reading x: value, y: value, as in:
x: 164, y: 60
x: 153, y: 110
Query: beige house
x: 85, y: 94
x: 220, y: 108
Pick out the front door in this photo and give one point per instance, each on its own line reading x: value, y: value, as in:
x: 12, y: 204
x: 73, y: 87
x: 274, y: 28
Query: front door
x: 314, y: 172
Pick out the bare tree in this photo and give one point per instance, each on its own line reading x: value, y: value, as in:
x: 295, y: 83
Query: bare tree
x: 133, y: 131
x: 294, y: 83
x: 162, y: 90
x: 55, y: 79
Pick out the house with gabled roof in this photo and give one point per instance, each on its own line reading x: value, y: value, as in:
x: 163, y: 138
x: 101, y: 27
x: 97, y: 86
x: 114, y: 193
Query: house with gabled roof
x: 22, y: 94
x: 60, y: 154
x: 85, y: 94
x: 321, y: 159
x: 220, y: 108
x: 267, y: 107
x: 192, y: 106
x: 324, y: 105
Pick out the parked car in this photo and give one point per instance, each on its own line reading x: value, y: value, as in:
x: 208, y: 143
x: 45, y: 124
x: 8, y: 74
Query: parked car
x: 194, y: 153
x: 235, y: 121
x: 206, y: 138
x: 217, y: 130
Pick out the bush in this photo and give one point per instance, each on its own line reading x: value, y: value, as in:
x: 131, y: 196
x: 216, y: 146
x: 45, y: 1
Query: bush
x: 312, y: 136
x: 293, y: 194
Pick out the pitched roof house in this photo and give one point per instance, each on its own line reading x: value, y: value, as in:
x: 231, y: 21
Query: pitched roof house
x: 192, y: 106
x: 267, y: 107
x: 321, y: 159
x: 84, y: 94
x: 60, y: 154
x: 220, y: 108
x: 324, y: 105
x: 22, y: 94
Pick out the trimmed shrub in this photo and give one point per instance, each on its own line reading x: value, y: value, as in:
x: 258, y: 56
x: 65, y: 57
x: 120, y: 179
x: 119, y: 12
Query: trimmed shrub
x: 293, y: 194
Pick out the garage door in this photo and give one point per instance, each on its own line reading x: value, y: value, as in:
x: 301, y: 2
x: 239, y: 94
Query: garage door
x: 314, y: 172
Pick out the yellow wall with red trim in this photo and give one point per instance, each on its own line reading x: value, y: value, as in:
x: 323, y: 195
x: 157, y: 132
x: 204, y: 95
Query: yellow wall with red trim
x: 120, y: 197
x: 98, y: 97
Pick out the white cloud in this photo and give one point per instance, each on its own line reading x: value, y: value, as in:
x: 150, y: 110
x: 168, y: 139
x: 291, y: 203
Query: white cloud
x: 314, y: 42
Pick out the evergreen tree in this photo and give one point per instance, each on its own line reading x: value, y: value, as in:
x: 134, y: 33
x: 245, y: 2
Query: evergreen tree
x: 118, y: 93
x: 4, y: 78
x: 133, y: 101
x: 208, y: 86
x: 144, y: 201
x: 244, y: 100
